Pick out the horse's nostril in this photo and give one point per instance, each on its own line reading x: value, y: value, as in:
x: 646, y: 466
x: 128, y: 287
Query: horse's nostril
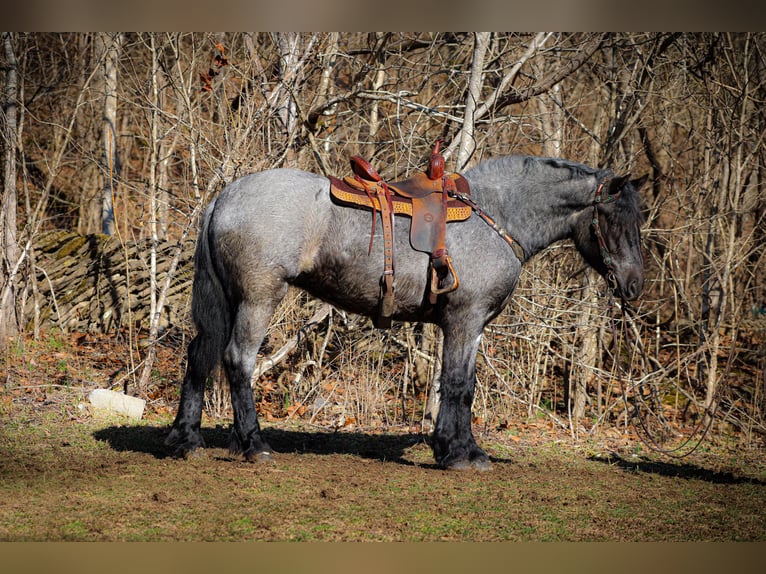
x: 633, y: 289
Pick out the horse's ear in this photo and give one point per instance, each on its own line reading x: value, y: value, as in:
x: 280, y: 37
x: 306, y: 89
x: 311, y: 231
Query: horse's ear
x: 639, y: 182
x: 615, y: 186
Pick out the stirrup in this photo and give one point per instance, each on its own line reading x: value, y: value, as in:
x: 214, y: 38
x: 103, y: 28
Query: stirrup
x: 454, y: 284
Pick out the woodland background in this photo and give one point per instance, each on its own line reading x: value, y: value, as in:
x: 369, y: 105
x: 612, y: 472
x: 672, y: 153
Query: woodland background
x: 112, y: 144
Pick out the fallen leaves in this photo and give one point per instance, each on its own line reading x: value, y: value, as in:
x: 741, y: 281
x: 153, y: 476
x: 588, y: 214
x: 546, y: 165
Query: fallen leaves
x: 219, y: 61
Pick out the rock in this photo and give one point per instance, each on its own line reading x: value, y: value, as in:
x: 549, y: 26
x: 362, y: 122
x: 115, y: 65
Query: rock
x: 110, y: 401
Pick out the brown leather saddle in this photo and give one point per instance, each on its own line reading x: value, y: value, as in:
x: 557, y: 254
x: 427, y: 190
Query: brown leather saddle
x: 427, y: 198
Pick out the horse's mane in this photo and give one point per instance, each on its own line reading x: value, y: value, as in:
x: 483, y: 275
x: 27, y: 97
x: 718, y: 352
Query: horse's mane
x: 528, y: 164
x: 525, y: 166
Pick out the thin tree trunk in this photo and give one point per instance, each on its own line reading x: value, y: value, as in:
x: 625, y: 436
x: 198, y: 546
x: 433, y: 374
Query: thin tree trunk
x: 110, y: 46
x: 154, y: 315
x: 291, y: 60
x: 326, y: 85
x: 326, y: 118
x: 377, y: 83
x: 465, y: 150
x: 467, y: 138
x: 9, y: 252
x: 586, y: 347
x: 552, y: 122
x: 433, y: 341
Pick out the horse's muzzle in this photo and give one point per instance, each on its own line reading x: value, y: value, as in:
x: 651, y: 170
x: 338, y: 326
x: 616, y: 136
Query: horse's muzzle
x: 633, y: 286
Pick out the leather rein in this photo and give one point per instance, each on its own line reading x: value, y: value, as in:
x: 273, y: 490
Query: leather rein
x: 515, y: 246
x: 642, y: 397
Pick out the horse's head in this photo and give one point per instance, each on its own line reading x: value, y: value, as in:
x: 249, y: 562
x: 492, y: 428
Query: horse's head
x: 609, y: 236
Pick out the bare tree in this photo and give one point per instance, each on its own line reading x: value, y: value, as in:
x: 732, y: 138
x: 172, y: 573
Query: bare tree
x: 9, y: 252
x: 108, y: 47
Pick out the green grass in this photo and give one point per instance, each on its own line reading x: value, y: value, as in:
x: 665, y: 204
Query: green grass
x: 99, y: 479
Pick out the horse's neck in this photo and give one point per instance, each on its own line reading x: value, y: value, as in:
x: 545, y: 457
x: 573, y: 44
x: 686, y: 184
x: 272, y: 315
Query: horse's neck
x: 539, y: 215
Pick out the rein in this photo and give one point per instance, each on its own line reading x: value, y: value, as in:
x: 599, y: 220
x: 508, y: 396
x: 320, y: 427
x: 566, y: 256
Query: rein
x: 516, y: 247
x: 606, y: 257
x: 641, y: 397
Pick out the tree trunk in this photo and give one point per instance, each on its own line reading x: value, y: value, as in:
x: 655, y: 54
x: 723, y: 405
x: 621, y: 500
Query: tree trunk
x: 467, y: 138
x: 109, y: 44
x: 154, y: 145
x: 377, y: 83
x: 9, y: 251
x: 586, y: 348
x: 292, y: 57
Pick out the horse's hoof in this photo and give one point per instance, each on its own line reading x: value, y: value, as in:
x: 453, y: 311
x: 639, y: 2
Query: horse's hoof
x: 185, y: 453
x: 481, y: 464
x: 264, y: 456
x: 183, y: 443
x: 478, y: 464
x: 459, y: 465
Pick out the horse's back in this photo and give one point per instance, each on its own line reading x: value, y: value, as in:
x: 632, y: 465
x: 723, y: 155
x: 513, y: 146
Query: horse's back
x: 276, y: 193
x: 271, y: 219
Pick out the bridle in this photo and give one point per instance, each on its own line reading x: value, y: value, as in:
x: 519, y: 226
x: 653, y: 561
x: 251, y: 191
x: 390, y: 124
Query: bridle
x: 641, y: 397
x: 606, y: 256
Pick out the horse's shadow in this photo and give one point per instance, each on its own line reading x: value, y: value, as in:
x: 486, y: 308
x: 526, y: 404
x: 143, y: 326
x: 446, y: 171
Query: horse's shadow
x: 675, y: 470
x: 388, y: 447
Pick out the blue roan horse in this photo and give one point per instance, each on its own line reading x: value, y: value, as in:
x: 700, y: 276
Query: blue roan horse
x: 277, y: 228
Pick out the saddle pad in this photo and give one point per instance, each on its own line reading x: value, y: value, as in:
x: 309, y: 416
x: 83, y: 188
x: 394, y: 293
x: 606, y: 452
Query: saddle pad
x: 351, y: 193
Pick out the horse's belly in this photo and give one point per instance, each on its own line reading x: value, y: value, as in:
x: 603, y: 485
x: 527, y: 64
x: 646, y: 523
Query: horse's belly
x: 351, y: 280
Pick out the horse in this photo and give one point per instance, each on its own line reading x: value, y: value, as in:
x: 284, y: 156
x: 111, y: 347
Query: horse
x: 273, y: 229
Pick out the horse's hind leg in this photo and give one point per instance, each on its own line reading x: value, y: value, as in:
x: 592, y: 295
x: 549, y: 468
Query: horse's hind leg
x: 250, y: 325
x: 203, y: 355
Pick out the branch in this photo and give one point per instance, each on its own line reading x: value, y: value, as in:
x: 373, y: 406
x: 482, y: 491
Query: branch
x: 482, y: 110
x: 399, y: 99
x: 547, y: 83
x: 537, y: 43
x: 269, y: 363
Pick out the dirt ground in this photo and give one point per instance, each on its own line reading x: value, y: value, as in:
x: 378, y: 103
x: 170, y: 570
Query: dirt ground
x: 87, y: 478
x: 67, y: 473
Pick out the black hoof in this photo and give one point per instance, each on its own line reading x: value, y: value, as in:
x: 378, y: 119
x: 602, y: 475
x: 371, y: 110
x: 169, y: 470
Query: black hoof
x: 254, y: 448
x: 482, y: 465
x: 186, y: 454
x: 263, y: 457
x: 184, y: 443
x: 474, y: 459
x: 464, y: 464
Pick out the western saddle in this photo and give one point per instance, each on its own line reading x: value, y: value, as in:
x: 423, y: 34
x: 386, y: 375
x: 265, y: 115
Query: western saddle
x: 431, y: 199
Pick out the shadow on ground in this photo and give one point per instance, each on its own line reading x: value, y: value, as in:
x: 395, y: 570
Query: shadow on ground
x: 383, y: 447
x: 676, y: 470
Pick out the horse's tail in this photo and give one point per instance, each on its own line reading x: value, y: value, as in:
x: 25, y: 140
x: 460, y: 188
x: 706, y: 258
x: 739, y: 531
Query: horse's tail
x: 210, y: 308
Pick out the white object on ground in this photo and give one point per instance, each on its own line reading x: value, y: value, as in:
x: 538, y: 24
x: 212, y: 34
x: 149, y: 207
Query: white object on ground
x: 104, y: 399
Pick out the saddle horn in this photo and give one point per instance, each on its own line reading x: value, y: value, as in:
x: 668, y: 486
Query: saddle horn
x: 436, y: 163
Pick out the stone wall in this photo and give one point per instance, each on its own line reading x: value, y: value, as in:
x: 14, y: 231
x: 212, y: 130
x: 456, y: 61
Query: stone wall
x: 98, y: 283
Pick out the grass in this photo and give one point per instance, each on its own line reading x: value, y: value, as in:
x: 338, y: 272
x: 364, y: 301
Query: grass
x: 66, y: 475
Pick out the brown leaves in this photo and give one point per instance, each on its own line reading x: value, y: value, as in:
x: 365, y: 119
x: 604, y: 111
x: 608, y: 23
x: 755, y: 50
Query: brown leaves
x: 219, y: 61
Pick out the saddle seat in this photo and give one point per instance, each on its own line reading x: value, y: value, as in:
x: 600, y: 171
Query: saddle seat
x: 427, y: 198
x: 417, y: 186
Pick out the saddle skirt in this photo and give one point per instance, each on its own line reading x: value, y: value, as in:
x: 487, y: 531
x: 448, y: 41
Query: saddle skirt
x: 429, y: 198
x: 419, y: 198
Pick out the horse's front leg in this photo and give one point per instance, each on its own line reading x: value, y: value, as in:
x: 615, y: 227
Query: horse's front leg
x: 453, y: 442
